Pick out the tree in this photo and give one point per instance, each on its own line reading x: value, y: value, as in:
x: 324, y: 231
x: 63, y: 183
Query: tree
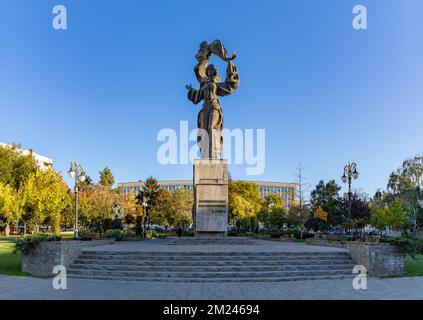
x: 327, y: 197
x: 408, y: 177
x: 360, y: 209
x: 47, y: 194
x: 272, y: 212
x: 15, y: 167
x: 106, y: 178
x: 7, y: 204
x: 406, y: 183
x: 148, y: 195
x: 182, y: 207
x: 321, y: 214
x: 162, y: 212
x: 244, y: 201
x: 393, y: 216
x: 96, y: 207
x: 298, y: 216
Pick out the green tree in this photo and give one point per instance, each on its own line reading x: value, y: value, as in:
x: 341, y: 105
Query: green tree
x: 106, y: 178
x: 406, y: 183
x: 298, y: 216
x: 47, y: 194
x: 148, y: 195
x: 393, y: 216
x: 272, y: 212
x: 326, y: 196
x: 15, y: 167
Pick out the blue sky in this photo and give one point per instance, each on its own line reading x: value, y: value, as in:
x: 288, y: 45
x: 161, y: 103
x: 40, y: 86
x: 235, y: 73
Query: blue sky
x: 100, y: 91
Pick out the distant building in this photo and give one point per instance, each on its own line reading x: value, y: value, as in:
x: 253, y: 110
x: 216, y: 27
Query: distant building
x: 42, y: 162
x: 286, y: 191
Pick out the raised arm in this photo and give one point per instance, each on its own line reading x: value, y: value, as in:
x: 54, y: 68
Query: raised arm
x: 231, y: 82
x: 200, y: 71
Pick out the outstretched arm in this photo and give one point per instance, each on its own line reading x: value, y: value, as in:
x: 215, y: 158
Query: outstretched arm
x: 232, y: 80
x: 194, y: 95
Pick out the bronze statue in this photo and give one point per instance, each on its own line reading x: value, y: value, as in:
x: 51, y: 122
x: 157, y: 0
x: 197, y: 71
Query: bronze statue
x: 210, y: 117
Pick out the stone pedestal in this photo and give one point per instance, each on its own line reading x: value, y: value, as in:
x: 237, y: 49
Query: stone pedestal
x: 210, y: 197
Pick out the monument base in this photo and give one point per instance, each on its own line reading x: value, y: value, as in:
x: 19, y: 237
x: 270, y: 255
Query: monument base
x: 210, y: 198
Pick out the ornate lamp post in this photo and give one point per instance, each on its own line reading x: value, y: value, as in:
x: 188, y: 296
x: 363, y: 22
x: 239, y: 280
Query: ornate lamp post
x: 144, y: 212
x: 350, y: 171
x: 76, y: 172
x: 269, y: 211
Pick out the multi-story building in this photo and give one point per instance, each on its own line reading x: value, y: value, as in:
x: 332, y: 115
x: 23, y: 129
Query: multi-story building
x: 42, y: 162
x: 286, y: 191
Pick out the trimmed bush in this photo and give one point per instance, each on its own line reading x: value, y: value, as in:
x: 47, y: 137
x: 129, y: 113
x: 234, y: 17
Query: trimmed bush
x: 25, y: 244
x: 114, y: 233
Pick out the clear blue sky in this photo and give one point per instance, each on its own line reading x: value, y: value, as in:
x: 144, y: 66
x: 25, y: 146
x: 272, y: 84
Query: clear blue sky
x: 325, y: 93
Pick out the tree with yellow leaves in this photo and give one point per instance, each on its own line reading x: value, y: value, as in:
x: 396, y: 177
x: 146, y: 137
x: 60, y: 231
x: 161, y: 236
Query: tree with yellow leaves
x: 321, y: 214
x: 47, y: 194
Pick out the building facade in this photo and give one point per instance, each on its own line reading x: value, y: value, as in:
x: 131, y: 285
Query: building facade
x: 42, y: 162
x: 286, y: 191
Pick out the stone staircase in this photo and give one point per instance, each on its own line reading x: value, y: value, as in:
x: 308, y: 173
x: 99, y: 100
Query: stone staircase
x: 213, y: 241
x: 233, y: 266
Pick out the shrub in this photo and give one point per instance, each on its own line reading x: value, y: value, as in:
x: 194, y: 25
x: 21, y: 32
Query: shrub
x: 114, y: 233
x: 25, y: 244
x: 407, y: 245
x: 86, y: 234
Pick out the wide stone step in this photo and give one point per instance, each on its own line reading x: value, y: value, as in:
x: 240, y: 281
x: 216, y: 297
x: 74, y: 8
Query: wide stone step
x: 343, y: 267
x: 246, y: 262
x: 223, y: 275
x: 210, y: 257
x: 218, y: 280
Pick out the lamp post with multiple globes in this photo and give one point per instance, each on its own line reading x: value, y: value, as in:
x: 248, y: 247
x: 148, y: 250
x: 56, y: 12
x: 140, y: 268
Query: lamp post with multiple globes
x: 77, y: 173
x: 350, y: 172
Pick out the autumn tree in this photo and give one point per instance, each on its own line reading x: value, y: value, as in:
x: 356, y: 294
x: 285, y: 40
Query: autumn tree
x: 47, y: 194
x: 106, y: 178
x: 182, y: 204
x: 162, y: 212
x: 244, y: 202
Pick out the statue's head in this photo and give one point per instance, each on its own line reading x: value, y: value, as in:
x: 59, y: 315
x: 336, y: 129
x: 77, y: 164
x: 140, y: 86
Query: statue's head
x: 211, y: 72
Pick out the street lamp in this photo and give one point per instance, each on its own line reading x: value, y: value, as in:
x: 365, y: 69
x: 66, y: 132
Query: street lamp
x: 350, y: 172
x: 269, y: 208
x: 77, y: 173
x: 144, y: 207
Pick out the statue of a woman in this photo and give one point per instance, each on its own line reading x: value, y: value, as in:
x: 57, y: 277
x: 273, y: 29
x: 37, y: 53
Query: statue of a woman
x: 210, y: 117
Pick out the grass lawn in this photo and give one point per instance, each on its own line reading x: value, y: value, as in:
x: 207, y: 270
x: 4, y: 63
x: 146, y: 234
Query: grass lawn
x: 10, y: 263
x: 414, y: 268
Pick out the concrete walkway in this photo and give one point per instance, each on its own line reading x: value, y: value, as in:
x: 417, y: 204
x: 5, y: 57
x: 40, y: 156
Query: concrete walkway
x: 27, y: 288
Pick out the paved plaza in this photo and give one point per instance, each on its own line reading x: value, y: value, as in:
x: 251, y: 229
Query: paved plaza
x: 28, y: 288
